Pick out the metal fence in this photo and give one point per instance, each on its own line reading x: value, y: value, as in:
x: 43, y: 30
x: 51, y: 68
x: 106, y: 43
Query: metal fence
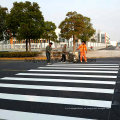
x: 42, y: 46
x: 96, y: 45
x: 22, y: 47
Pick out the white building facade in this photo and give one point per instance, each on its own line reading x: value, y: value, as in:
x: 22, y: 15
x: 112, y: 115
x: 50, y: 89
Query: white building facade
x: 102, y: 37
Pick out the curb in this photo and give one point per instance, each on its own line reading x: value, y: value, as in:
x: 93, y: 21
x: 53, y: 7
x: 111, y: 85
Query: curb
x: 26, y: 58
x: 44, y: 58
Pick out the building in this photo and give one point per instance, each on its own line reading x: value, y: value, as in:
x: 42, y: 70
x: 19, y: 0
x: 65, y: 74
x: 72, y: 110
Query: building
x: 118, y: 44
x: 102, y: 37
x: 113, y: 43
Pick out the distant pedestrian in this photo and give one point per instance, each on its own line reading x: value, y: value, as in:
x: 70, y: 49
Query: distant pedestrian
x: 83, y: 51
x: 48, y: 52
x: 91, y: 47
x: 63, y: 59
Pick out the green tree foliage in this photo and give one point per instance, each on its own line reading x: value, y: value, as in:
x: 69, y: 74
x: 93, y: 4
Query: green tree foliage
x: 49, y: 31
x: 3, y: 28
x: 88, y: 30
x: 77, y: 26
x: 93, y: 40
x: 26, y: 21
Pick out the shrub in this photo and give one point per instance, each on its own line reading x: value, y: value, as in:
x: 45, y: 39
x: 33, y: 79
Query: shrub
x: 19, y: 54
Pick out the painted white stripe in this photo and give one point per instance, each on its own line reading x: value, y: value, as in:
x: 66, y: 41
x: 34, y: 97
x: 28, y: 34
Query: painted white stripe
x: 57, y: 100
x: 67, y: 75
x: 83, y: 66
x: 74, y: 71
x: 60, y: 80
x: 59, y: 88
x: 15, y: 115
x: 78, y: 68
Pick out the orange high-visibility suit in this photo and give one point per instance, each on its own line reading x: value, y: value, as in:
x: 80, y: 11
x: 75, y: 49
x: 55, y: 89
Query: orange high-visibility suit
x: 83, y: 50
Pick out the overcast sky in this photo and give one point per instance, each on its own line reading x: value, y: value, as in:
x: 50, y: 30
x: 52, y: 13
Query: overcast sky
x: 105, y: 14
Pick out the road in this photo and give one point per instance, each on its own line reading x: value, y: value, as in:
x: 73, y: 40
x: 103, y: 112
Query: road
x: 73, y: 91
x: 109, y: 52
x: 109, y: 48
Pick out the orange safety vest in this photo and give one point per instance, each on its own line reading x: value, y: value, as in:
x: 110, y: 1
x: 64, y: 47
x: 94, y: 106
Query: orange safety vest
x: 82, y: 48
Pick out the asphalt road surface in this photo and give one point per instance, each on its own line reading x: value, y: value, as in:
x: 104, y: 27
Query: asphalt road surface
x: 70, y: 91
x: 109, y: 48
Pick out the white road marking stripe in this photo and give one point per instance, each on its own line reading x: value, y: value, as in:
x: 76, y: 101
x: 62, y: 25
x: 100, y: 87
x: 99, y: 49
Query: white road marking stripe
x: 57, y: 100
x: 8, y: 115
x: 59, y: 88
x: 83, y: 66
x: 60, y: 80
x: 73, y: 71
x: 67, y: 75
x: 79, y: 68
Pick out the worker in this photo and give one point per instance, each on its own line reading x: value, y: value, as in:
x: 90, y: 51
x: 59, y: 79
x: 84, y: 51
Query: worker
x: 63, y: 59
x: 83, y: 51
x: 48, y: 52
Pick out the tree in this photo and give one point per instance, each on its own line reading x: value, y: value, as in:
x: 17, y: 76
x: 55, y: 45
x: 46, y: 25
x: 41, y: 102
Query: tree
x: 26, y: 21
x: 93, y: 40
x: 49, y: 31
x: 77, y: 26
x: 88, y: 31
x: 3, y: 28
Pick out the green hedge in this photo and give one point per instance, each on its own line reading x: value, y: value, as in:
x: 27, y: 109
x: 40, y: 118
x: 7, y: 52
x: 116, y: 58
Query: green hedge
x: 19, y: 54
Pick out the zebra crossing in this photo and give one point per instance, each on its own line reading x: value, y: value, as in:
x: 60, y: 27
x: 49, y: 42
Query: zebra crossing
x: 59, y: 92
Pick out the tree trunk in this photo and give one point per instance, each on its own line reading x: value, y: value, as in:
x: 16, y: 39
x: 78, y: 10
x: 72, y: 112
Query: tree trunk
x: 26, y: 45
x: 49, y: 41
x: 44, y: 43
x: 29, y: 45
x: 68, y: 44
x: 74, y: 45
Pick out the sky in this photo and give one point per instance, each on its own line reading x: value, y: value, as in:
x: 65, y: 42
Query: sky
x: 104, y: 14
